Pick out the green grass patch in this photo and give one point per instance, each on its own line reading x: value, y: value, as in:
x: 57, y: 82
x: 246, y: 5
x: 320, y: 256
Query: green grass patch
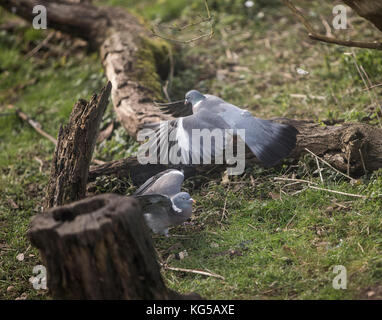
x: 268, y: 239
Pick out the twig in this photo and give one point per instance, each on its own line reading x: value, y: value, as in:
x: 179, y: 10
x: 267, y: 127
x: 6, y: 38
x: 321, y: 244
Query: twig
x: 105, y: 134
x: 249, y: 225
x: 321, y: 189
x: 291, y: 184
x: 362, y: 73
x: 339, y: 192
x: 347, y: 43
x: 371, y: 93
x: 168, y: 83
x: 204, y: 273
x: 35, y: 125
x: 328, y: 164
x: 298, y: 191
x: 362, y: 161
x: 99, y: 162
x: 207, y: 19
x: 290, y: 221
x: 165, y: 91
x: 39, y: 46
x: 327, y: 27
x: 316, y: 36
x: 319, y: 170
x: 40, y: 162
x: 224, y: 209
x: 185, y: 41
x: 373, y: 86
x: 291, y: 179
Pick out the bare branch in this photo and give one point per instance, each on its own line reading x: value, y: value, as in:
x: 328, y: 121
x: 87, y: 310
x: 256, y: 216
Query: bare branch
x: 208, y: 19
x: 316, y: 36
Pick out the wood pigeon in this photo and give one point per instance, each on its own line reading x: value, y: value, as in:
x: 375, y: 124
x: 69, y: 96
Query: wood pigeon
x: 269, y: 141
x: 163, y: 204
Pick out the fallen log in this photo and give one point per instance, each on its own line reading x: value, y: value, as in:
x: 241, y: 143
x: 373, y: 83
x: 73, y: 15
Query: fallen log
x: 134, y: 60
x: 99, y: 248
x: 74, y: 150
x: 350, y: 147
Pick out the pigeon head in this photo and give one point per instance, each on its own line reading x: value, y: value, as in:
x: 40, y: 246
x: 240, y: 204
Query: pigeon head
x: 193, y: 97
x: 183, y: 201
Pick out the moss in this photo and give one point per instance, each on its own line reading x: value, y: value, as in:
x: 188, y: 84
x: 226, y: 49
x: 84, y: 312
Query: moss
x: 152, y: 65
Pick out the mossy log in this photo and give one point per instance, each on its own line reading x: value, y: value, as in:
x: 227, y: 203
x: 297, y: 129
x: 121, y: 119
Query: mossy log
x: 351, y: 147
x: 99, y: 248
x: 132, y: 58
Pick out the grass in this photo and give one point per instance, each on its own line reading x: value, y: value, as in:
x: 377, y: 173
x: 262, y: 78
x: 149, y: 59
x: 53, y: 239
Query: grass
x: 269, y: 240
x: 272, y: 246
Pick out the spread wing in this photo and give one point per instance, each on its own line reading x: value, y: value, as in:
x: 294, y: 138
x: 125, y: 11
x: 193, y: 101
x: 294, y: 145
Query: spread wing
x: 175, y: 137
x: 176, y: 108
x: 269, y: 141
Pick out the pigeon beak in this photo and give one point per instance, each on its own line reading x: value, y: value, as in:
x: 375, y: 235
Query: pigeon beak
x: 185, y: 101
x: 192, y: 200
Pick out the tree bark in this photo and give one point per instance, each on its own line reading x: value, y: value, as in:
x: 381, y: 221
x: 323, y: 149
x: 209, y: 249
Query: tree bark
x: 370, y: 10
x: 351, y: 147
x: 73, y: 153
x: 99, y: 248
x: 133, y: 59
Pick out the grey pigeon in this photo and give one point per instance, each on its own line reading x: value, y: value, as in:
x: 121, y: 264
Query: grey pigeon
x: 268, y: 140
x: 163, y: 204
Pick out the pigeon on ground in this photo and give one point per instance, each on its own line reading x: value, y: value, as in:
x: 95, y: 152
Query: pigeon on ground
x: 269, y: 141
x: 163, y: 204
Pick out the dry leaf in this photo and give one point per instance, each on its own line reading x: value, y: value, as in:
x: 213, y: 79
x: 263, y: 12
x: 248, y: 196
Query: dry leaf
x: 181, y: 255
x: 20, y: 257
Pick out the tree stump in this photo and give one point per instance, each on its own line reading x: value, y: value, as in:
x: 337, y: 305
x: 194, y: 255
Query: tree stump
x: 98, y: 248
x: 74, y: 150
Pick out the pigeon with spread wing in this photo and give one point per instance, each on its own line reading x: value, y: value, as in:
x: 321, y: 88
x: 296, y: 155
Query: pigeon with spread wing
x: 269, y: 141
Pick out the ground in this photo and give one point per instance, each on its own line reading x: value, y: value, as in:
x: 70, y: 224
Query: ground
x: 267, y: 238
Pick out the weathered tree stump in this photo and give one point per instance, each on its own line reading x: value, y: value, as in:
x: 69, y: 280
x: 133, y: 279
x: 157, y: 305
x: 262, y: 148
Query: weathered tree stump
x: 76, y: 141
x: 99, y: 248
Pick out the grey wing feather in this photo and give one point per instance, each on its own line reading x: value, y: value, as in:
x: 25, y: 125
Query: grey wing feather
x: 176, y: 108
x: 149, y: 202
x: 167, y: 182
x: 269, y: 141
x: 180, y: 133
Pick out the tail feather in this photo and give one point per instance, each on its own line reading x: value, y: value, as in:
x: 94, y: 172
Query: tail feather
x: 270, y: 141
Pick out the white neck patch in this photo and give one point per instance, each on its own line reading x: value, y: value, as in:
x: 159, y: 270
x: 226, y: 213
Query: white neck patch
x: 176, y: 209
x: 195, y: 106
